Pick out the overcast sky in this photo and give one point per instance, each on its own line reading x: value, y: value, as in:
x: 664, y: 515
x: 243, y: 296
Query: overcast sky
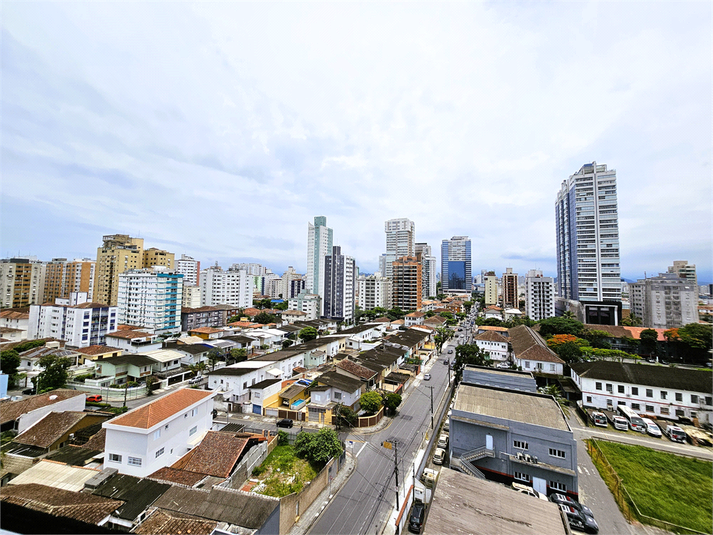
x: 220, y: 130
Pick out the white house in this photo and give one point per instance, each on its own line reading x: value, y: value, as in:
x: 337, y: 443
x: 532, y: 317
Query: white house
x: 530, y: 352
x: 133, y: 341
x: 80, y: 324
x: 659, y: 391
x: 495, y: 344
x: 159, y: 433
x: 166, y: 359
x: 291, y: 316
x: 414, y: 318
x: 334, y: 387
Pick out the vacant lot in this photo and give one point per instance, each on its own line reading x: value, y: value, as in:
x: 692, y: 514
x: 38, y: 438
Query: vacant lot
x: 282, y: 473
x: 663, y: 485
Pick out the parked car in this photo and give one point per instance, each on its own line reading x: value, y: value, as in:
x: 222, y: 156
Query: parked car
x: 566, y: 500
x: 445, y: 362
x: 651, y: 428
x: 439, y: 455
x: 29, y: 392
x: 285, y: 422
x: 502, y: 365
x: 417, y: 516
x: 427, y: 377
x: 447, y: 425
x: 598, y: 418
x: 579, y: 521
x: 675, y: 433
x: 526, y: 489
x: 195, y: 380
x: 620, y: 423
x: 450, y: 351
x: 443, y: 441
x: 96, y: 398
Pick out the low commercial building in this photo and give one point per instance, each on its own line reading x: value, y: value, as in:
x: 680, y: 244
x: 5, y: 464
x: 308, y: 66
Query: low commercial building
x: 659, y: 391
x: 513, y: 435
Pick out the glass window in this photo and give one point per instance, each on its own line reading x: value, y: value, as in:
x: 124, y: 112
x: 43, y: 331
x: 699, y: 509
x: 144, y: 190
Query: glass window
x: 134, y: 461
x: 694, y: 398
x: 609, y: 388
x: 589, y: 399
x: 649, y: 393
x: 679, y: 396
x: 598, y: 386
x: 519, y: 444
x: 558, y: 486
x: 557, y: 453
x: 649, y: 408
x: 159, y: 453
x: 664, y: 394
x: 636, y: 406
x: 620, y: 389
x: 193, y: 430
x: 664, y: 410
x: 634, y: 390
x: 115, y: 458
x: 521, y: 477
x: 157, y: 434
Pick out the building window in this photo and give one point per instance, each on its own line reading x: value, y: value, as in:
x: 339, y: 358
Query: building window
x: 649, y: 393
x: 527, y: 364
x: 521, y: 477
x: 193, y: 430
x: 598, y: 386
x: 557, y: 453
x: 650, y: 408
x: 556, y: 485
x: 610, y: 388
x: 157, y: 434
x: 245, y: 384
x: 159, y: 453
x: 620, y: 389
x: 634, y: 390
x: 694, y: 398
x: 709, y: 400
x: 636, y: 406
x: 115, y: 458
x: 337, y: 395
x: 664, y: 410
x: 519, y: 444
x: 664, y: 394
x: 589, y: 399
x: 694, y: 414
x: 193, y: 412
x: 134, y: 461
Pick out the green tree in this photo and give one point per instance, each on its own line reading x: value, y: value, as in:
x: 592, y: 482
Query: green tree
x: 491, y: 322
x: 469, y: 355
x: 282, y: 438
x: 262, y: 303
x: 30, y: 344
x: 281, y: 306
x: 570, y: 352
x: 632, y: 321
x: 54, y: 373
x: 238, y: 354
x: 318, y: 447
x: 442, y: 336
x: 150, y: 380
x: 9, y: 362
x: 370, y: 402
x: 696, y: 335
x: 392, y: 400
x: 214, y: 357
x: 598, y: 338
x: 265, y: 318
x: 562, y: 325
x: 648, y: 341
x: 568, y: 314
x: 344, y: 416
x: 308, y: 333
x: 286, y: 343
x: 468, y: 305
x: 396, y: 314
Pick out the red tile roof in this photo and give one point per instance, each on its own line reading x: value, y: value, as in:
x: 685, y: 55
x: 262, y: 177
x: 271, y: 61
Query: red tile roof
x: 491, y: 336
x: 159, y: 410
x: 98, y: 350
x: 162, y: 521
x: 11, y: 410
x: 216, y: 455
x: 129, y: 334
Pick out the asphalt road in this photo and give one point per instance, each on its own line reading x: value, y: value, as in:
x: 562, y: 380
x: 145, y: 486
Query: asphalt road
x: 365, y: 502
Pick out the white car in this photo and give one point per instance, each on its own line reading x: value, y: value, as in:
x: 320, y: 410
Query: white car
x: 651, y: 428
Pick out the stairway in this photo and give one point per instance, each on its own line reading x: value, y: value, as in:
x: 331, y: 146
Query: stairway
x: 477, y: 454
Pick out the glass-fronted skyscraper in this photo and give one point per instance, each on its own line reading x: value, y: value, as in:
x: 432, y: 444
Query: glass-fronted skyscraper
x: 455, y: 265
x: 587, y: 221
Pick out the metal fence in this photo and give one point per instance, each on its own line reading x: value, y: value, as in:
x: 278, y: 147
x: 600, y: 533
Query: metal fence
x: 622, y: 496
x: 110, y: 394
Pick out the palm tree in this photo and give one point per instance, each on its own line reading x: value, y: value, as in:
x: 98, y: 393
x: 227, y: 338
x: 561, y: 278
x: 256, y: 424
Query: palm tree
x: 568, y: 314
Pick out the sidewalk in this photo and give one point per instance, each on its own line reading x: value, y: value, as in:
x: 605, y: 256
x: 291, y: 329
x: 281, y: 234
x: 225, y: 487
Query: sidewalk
x: 307, y: 520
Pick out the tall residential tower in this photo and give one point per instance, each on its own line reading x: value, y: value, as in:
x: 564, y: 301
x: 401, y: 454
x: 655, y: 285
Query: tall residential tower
x: 455, y: 265
x: 587, y: 224
x: 319, y: 246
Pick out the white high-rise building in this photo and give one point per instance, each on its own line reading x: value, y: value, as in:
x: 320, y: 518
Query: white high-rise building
x: 374, y: 291
x: 587, y: 224
x: 340, y: 273
x: 74, y: 320
x: 291, y: 283
x: 429, y: 268
x: 191, y: 296
x: 539, y: 296
x: 400, y: 237
x: 151, y: 298
x: 310, y: 304
x: 664, y: 302
x: 190, y: 269
x: 232, y: 287
x: 319, y: 246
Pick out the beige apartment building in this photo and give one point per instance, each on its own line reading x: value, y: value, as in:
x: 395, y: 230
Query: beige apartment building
x: 157, y: 257
x: 407, y: 283
x: 63, y: 277
x: 22, y: 282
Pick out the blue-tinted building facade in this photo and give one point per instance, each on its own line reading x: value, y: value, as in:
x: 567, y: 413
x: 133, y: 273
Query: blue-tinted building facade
x: 456, y: 265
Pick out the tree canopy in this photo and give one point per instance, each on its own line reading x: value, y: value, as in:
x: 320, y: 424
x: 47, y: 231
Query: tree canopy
x: 265, y: 318
x: 308, y: 333
x: 561, y: 325
x: 9, y: 362
x: 318, y: 447
x: 648, y: 339
x: 470, y: 355
x: 54, y: 374
x: 392, y: 400
x: 370, y: 402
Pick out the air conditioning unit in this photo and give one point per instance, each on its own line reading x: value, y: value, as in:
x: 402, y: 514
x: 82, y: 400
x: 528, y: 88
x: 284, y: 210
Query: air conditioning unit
x: 519, y: 455
x: 528, y: 458
x: 534, y: 460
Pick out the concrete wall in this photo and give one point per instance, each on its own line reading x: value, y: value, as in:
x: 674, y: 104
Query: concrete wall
x: 295, y: 505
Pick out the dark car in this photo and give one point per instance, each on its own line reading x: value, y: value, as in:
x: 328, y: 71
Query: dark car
x: 579, y: 521
x: 417, y: 516
x: 29, y: 391
x: 566, y: 500
x: 285, y: 422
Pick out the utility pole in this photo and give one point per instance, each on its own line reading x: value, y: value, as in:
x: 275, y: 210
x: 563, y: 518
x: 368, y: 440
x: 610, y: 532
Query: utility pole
x: 126, y: 391
x: 396, y: 471
x: 431, y: 407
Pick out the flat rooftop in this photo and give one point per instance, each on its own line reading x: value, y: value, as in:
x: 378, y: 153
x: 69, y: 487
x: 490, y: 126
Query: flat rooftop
x: 465, y: 504
x: 518, y: 406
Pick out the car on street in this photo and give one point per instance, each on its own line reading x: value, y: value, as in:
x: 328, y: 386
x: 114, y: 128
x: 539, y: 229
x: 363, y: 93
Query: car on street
x: 579, y: 521
x: 445, y: 362
x: 450, y: 351
x: 417, y: 516
x: 502, y: 365
x: 566, y: 500
x: 195, y: 380
x: 526, y: 489
x: 96, y: 398
x: 675, y: 433
x: 285, y: 422
x: 29, y: 392
x: 651, y: 428
x: 443, y: 441
x: 427, y: 377
x: 439, y: 455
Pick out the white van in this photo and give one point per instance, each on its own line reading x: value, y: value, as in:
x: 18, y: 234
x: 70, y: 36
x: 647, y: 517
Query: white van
x: 620, y: 423
x: 651, y: 428
x: 675, y: 433
x: 439, y: 456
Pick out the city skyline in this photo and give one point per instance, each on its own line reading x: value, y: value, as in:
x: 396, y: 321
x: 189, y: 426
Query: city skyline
x: 250, y: 122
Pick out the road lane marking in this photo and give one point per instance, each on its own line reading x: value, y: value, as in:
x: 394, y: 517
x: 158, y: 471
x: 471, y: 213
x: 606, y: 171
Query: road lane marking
x: 579, y: 468
x: 361, y: 449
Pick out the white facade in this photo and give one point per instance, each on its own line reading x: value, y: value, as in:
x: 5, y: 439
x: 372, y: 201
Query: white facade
x: 400, y: 237
x: 80, y: 325
x: 668, y: 403
x: 429, y: 270
x: 151, y: 298
x: 191, y: 296
x: 234, y: 381
x: 386, y: 267
x: 684, y: 270
x: 539, y: 366
x: 539, y: 296
x: 190, y: 269
x: 286, y: 283
x: 232, y: 287
x: 140, y: 451
x: 310, y: 304
x: 664, y: 302
x: 319, y: 246
x: 498, y: 351
x: 340, y: 273
x: 374, y: 291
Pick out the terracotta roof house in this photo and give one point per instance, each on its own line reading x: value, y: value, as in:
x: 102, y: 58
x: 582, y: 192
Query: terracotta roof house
x: 159, y: 433
x: 99, y: 351
x: 20, y: 415
x: 531, y: 353
x: 54, y: 429
x: 162, y: 521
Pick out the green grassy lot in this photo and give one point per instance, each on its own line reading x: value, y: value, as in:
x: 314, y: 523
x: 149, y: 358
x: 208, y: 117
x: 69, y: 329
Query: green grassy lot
x: 283, y: 473
x: 663, y: 485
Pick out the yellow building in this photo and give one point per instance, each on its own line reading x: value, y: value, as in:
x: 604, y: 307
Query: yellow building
x: 119, y: 253
x: 22, y: 282
x: 158, y: 257
x: 62, y: 277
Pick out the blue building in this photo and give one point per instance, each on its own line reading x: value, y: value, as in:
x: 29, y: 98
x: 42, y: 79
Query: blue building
x: 456, y: 265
